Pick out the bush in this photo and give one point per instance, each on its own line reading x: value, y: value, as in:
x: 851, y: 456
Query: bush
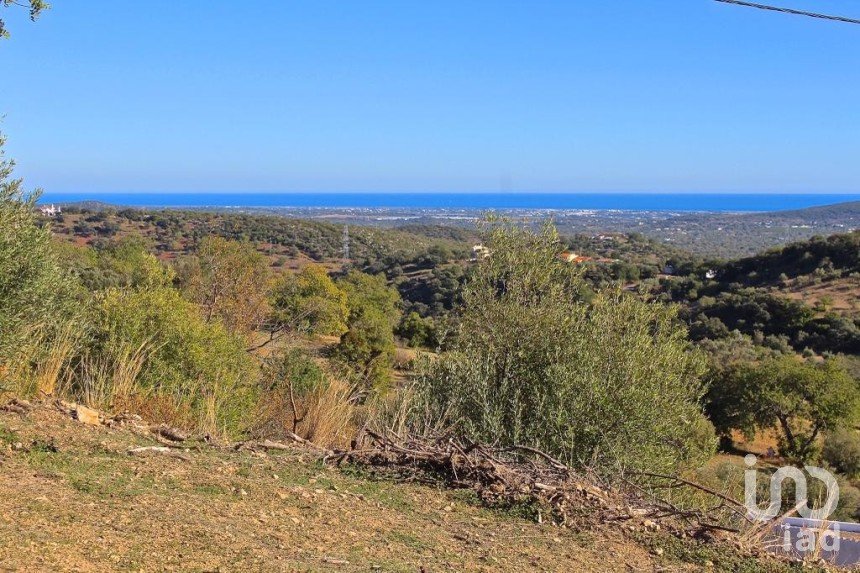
x: 417, y: 331
x: 36, y: 295
x: 612, y: 385
x: 198, y: 369
x: 842, y: 451
x: 366, y: 350
x: 309, y: 302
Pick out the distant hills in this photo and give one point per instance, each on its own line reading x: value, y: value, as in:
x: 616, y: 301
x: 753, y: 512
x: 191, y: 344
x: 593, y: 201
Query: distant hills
x: 706, y: 234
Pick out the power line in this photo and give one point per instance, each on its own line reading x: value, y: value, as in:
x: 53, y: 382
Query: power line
x: 791, y: 11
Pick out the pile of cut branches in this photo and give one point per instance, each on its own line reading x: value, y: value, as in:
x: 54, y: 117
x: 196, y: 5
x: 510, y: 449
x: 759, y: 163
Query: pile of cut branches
x: 522, y: 476
x: 500, y: 477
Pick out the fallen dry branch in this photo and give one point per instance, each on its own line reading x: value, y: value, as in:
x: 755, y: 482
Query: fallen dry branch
x: 519, y: 476
x: 527, y: 477
x: 17, y: 406
x: 169, y: 433
x: 273, y: 445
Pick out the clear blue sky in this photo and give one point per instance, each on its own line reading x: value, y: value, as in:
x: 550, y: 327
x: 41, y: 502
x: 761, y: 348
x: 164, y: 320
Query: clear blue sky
x: 318, y: 95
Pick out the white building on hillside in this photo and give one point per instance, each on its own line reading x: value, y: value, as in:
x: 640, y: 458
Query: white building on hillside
x: 50, y: 211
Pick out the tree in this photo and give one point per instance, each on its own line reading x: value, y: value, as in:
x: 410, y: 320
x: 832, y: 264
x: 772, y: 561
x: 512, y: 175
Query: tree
x: 228, y: 279
x: 417, y: 331
x: 367, y: 347
x: 370, y: 294
x: 801, y: 398
x: 36, y: 295
x: 611, y: 384
x: 309, y: 302
x: 35, y: 8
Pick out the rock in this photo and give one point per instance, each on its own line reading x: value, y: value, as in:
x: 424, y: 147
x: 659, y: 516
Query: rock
x: 87, y: 415
x: 149, y: 450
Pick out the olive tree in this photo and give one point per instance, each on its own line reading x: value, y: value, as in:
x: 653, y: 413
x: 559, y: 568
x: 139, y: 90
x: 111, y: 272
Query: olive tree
x: 609, y: 383
x: 35, y: 293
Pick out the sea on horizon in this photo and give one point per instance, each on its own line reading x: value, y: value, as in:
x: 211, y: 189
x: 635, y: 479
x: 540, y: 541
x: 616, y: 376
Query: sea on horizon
x: 721, y: 202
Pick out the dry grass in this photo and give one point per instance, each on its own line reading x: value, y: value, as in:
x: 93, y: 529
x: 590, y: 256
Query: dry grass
x: 61, y: 349
x: 329, y: 415
x: 106, y: 381
x: 41, y: 366
x: 326, y: 416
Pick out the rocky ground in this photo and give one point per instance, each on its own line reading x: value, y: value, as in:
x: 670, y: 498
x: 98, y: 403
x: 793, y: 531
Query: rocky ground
x: 80, y: 497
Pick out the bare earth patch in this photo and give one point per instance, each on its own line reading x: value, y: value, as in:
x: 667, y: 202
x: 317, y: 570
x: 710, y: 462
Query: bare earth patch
x: 73, y: 499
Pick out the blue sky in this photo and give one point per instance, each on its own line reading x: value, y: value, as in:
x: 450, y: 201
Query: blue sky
x: 318, y: 95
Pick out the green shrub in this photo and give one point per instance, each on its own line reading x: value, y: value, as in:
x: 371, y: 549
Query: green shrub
x: 366, y: 350
x: 842, y: 451
x: 294, y: 367
x: 417, y: 331
x: 612, y: 384
x: 196, y: 366
x: 36, y: 295
x: 309, y: 302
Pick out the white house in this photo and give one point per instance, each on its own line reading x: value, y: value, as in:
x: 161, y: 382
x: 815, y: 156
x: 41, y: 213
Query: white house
x: 50, y: 211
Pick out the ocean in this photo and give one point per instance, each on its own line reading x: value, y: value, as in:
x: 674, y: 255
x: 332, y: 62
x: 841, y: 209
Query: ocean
x: 725, y: 202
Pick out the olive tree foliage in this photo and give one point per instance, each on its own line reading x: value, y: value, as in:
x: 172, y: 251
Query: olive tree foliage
x: 611, y: 384
x: 34, y: 7
x: 35, y: 293
x: 801, y: 398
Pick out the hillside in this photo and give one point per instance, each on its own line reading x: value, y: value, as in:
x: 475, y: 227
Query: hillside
x: 730, y: 235
x: 73, y: 497
x: 705, y: 234
x: 286, y: 241
x: 804, y: 294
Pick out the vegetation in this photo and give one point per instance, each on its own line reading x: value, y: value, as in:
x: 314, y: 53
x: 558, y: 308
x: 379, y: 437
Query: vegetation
x: 752, y: 295
x: 366, y: 350
x: 309, y: 302
x: 194, y: 371
x: 610, y: 384
x: 800, y: 397
x: 36, y: 295
x: 228, y: 280
x: 842, y: 451
x: 184, y: 316
x: 35, y: 8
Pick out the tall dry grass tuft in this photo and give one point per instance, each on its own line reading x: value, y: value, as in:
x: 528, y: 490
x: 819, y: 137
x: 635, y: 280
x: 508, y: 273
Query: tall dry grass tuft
x: 52, y: 374
x: 392, y: 412
x: 41, y: 366
x: 329, y: 418
x: 325, y: 415
x: 110, y: 380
